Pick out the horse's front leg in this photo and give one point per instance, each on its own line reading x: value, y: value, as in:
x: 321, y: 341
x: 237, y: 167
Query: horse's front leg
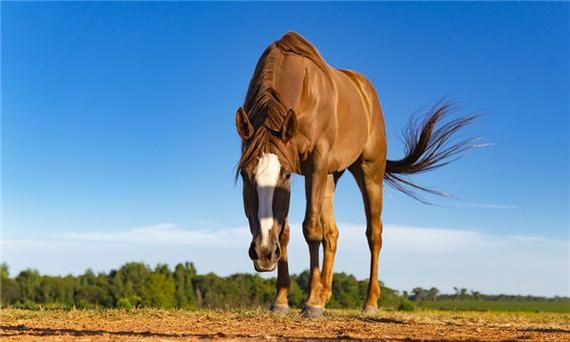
x: 281, y: 303
x: 315, y: 185
x: 330, y: 237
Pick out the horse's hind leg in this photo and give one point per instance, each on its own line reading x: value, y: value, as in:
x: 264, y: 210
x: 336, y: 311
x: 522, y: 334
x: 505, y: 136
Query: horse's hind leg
x: 330, y: 237
x: 369, y: 175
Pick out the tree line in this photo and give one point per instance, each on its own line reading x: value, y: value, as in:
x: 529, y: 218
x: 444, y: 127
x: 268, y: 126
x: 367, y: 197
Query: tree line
x: 135, y: 285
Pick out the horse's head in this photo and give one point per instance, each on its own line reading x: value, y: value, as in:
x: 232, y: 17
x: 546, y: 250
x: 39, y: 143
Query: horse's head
x: 266, y: 192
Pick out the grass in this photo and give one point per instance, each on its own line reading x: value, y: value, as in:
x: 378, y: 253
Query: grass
x: 562, y: 306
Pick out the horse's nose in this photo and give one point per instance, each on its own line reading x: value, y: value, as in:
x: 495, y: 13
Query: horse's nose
x: 272, y: 253
x: 268, y: 253
x: 265, y: 258
x: 252, y: 253
x: 277, y: 252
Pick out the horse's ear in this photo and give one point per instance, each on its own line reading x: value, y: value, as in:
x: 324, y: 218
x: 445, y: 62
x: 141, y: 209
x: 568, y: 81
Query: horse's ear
x: 289, y: 126
x: 243, y: 125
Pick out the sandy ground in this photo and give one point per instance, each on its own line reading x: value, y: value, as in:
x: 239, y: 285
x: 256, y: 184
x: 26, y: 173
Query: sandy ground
x: 164, y: 325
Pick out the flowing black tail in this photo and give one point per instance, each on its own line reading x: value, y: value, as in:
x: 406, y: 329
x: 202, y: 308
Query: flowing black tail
x: 427, y: 148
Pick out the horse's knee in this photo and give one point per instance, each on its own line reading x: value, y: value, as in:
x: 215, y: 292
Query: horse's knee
x: 313, y: 230
x: 374, y: 235
x: 331, y: 237
x: 375, y: 239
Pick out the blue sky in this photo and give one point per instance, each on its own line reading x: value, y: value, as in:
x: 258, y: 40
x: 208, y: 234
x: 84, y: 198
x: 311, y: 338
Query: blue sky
x: 117, y: 116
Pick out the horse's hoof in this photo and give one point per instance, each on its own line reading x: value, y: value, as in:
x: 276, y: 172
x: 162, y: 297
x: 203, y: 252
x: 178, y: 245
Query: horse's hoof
x: 279, y: 309
x: 370, y: 310
x: 312, y: 311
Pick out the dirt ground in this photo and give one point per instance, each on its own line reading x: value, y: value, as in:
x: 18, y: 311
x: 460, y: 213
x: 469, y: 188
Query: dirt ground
x: 164, y: 325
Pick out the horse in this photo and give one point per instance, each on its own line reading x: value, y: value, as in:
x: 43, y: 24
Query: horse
x: 302, y: 116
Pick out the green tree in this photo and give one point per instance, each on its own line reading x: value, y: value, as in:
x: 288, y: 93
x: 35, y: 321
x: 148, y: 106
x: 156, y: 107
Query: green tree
x: 420, y: 294
x: 390, y: 298
x: 210, y: 290
x: 93, y: 291
x: 477, y: 295
x: 159, y: 290
x: 28, y: 285
x: 128, y: 284
x: 432, y: 294
x: 183, y: 276
x: 9, y: 291
x: 460, y: 293
x: 345, y: 291
x: 295, y: 294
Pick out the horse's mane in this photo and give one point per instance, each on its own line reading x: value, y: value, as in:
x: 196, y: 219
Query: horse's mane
x: 263, y: 105
x: 294, y: 43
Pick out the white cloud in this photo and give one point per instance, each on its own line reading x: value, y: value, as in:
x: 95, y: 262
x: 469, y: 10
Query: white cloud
x: 411, y: 256
x: 165, y: 233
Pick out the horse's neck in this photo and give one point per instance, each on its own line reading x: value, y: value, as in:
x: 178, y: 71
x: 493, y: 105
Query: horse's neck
x: 288, y: 80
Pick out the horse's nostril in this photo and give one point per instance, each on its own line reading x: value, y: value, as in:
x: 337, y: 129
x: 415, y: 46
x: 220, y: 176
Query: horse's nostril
x: 277, y: 252
x: 252, y: 253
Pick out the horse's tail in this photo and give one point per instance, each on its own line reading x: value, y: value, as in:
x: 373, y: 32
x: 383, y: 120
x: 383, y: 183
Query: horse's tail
x: 427, y: 148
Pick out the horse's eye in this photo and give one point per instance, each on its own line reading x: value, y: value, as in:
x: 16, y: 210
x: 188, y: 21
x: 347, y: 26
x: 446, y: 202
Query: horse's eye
x: 287, y: 175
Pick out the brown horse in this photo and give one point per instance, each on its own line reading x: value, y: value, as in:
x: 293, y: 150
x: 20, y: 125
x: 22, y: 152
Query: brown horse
x: 302, y: 116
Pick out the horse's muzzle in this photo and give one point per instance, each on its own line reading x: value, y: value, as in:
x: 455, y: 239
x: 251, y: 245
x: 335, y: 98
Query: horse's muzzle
x: 264, y: 265
x: 267, y: 258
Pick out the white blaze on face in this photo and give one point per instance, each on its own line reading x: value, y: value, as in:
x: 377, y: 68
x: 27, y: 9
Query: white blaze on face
x: 266, y: 176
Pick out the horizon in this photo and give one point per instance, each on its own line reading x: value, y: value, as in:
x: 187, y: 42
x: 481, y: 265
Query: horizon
x: 270, y: 276
x: 119, y: 144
